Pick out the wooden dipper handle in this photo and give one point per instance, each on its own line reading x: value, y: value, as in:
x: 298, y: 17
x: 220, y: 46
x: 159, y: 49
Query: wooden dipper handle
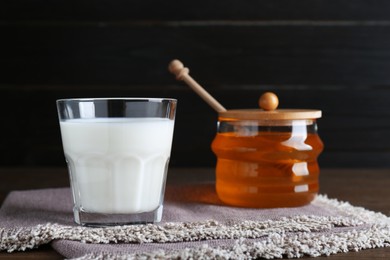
x: 177, y: 68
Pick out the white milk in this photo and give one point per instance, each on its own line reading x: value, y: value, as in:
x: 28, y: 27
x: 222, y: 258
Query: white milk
x: 118, y: 164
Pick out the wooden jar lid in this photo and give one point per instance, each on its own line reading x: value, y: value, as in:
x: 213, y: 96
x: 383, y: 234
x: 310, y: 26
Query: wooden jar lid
x: 280, y: 114
x: 268, y: 103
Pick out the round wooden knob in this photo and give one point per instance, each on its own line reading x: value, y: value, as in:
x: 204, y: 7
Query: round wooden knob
x: 268, y: 101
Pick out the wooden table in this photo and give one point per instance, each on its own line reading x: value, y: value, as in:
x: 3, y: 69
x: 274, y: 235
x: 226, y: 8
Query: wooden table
x: 368, y: 188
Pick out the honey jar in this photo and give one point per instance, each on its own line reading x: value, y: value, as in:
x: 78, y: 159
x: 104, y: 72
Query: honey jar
x: 267, y: 157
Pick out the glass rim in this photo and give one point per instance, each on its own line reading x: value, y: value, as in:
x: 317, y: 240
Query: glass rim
x: 116, y: 98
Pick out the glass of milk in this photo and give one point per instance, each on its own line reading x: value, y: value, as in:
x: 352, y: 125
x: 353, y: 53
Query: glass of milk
x: 117, y: 151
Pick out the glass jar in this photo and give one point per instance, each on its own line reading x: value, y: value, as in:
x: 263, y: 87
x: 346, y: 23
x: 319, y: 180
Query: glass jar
x: 267, y: 159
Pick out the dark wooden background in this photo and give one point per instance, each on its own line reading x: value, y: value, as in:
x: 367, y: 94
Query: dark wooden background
x: 332, y: 55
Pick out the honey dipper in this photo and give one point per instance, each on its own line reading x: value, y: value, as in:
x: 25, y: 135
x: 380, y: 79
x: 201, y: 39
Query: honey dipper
x: 177, y: 68
x: 268, y: 101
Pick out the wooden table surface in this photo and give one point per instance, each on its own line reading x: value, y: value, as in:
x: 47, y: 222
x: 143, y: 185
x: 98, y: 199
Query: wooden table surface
x: 368, y: 188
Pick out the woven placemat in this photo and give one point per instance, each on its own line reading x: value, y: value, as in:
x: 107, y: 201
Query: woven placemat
x: 195, y: 225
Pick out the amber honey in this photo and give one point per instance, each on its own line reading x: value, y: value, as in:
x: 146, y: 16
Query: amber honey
x: 266, y: 166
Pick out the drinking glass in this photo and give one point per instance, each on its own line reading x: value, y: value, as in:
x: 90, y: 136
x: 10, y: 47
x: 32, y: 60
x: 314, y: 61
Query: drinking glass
x: 117, y: 151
